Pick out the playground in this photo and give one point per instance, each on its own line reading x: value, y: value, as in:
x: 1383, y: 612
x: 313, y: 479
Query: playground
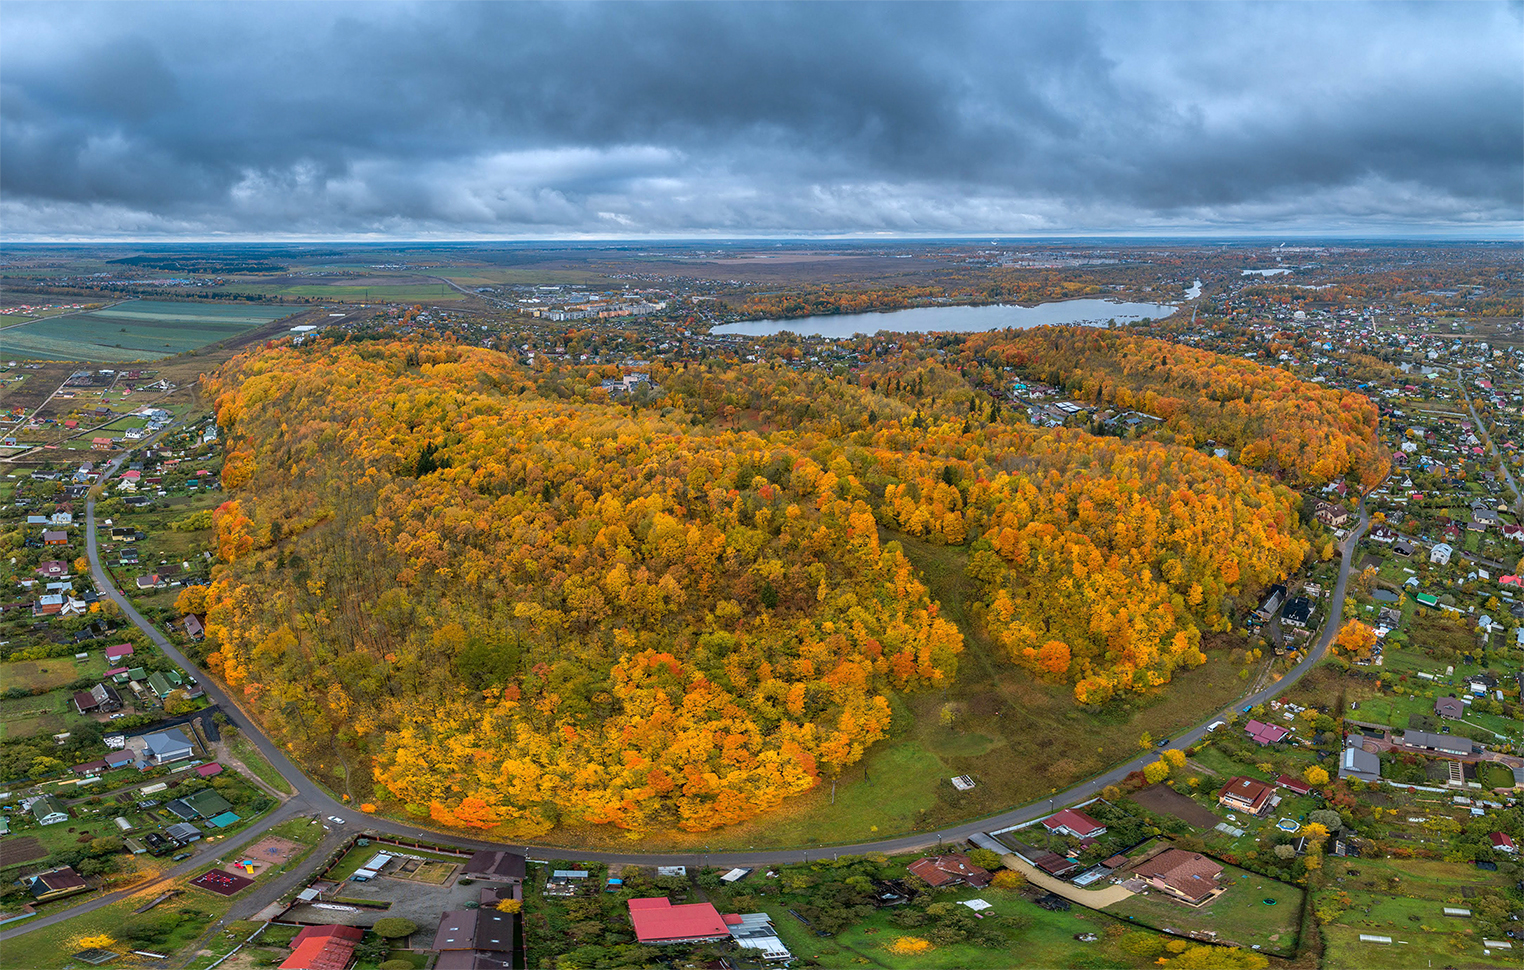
x: 221, y: 882
x: 270, y: 852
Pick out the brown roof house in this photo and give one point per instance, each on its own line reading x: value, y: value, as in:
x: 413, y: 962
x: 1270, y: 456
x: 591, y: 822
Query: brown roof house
x: 950, y: 870
x: 1450, y: 707
x: 1189, y: 877
x: 1248, y: 795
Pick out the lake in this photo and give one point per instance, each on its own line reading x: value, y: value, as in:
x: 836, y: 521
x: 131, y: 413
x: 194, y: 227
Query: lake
x: 1265, y: 272
x: 956, y: 319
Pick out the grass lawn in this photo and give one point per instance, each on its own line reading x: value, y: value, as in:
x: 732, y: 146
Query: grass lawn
x: 244, y: 751
x: 52, y: 672
x: 51, y: 948
x: 1042, y: 939
x: 1240, y: 915
x: 418, y: 960
x: 50, y: 713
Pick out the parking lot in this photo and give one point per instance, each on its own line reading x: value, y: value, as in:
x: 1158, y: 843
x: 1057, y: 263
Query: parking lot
x: 410, y: 899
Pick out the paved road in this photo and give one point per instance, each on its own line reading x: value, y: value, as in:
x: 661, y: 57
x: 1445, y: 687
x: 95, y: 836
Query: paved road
x: 312, y: 800
x: 1518, y: 497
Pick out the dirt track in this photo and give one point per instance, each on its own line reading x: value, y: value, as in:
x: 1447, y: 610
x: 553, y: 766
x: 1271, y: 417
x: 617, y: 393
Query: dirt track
x: 1093, y: 898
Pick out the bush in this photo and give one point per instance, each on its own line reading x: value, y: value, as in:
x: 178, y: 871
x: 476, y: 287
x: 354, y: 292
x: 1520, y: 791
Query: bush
x: 393, y: 927
x: 985, y: 859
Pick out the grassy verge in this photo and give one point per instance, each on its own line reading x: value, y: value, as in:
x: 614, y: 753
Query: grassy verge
x: 244, y: 751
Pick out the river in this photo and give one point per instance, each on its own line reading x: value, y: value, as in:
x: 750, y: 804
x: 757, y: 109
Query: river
x: 957, y: 319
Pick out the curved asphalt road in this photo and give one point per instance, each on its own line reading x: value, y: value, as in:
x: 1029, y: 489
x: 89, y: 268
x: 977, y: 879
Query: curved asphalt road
x: 310, y: 799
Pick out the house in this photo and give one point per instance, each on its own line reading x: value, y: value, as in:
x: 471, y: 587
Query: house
x: 193, y: 627
x: 85, y: 702
x: 183, y: 833
x: 565, y: 882
x: 55, y: 537
x: 323, y: 948
x: 119, y: 759
x: 468, y: 939
x: 207, y: 771
x: 1262, y: 734
x: 1502, y: 842
x: 949, y: 870
x: 1404, y: 548
x: 1272, y: 603
x: 207, y: 803
x: 106, y: 698
x: 755, y: 931
x: 1441, y: 553
x: 1358, y: 763
x: 1055, y: 865
x: 1189, y: 877
x: 159, y: 684
x: 166, y: 746
x: 1294, y: 785
x: 48, y: 605
x: 1450, y: 707
x: 48, y: 810
x: 657, y: 922
x: 53, y: 569
x: 1248, y: 795
x: 495, y: 867
x: 151, y: 581
x: 116, y: 653
x: 55, y: 883
x: 1297, y: 612
x: 1331, y: 515
x: 100, y: 444
x: 1073, y: 822
x: 1441, y: 744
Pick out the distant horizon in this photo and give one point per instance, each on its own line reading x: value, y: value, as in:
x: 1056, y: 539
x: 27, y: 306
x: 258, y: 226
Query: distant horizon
x: 995, y: 239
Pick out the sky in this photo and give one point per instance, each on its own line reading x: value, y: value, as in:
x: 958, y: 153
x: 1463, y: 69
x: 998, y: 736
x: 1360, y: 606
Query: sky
x: 522, y: 121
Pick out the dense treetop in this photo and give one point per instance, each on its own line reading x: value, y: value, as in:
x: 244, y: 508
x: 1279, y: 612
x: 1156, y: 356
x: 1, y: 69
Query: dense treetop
x: 528, y: 604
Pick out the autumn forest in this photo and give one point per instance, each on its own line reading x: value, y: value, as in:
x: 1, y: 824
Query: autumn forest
x: 527, y: 604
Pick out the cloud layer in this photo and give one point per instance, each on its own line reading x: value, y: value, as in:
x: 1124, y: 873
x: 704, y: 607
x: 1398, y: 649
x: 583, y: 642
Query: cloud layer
x: 516, y: 120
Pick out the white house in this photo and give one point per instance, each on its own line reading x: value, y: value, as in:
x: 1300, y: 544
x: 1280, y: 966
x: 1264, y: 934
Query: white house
x: 1441, y: 553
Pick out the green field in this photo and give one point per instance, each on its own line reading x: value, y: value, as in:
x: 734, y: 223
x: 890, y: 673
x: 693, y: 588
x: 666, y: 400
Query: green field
x: 136, y: 330
x: 1405, y: 900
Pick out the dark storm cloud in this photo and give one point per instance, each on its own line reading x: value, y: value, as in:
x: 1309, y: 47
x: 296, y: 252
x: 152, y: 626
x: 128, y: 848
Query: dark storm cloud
x: 512, y: 119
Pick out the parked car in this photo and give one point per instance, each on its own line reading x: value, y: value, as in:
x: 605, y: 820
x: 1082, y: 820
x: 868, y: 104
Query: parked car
x: 335, y: 820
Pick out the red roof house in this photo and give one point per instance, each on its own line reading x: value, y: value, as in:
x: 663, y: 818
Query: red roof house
x: 323, y: 948
x: 207, y: 771
x: 1502, y: 842
x: 658, y: 921
x: 1073, y: 822
x: 1262, y: 733
x: 119, y: 651
x: 949, y: 870
x: 1295, y: 785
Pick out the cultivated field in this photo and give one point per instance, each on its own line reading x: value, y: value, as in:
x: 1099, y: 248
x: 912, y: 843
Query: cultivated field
x: 135, y: 330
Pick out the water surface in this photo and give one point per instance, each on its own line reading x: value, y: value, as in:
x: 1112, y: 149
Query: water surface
x: 956, y: 319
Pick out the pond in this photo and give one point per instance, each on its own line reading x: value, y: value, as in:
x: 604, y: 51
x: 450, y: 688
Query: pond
x: 1385, y: 595
x: 958, y: 319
